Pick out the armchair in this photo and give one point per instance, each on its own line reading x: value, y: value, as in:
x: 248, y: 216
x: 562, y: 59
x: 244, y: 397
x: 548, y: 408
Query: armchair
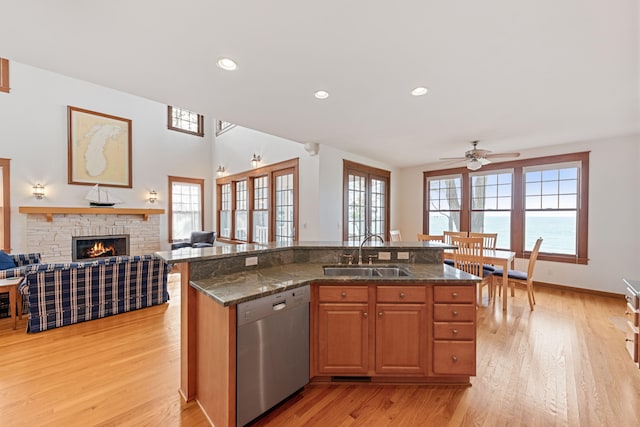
x: 198, y: 239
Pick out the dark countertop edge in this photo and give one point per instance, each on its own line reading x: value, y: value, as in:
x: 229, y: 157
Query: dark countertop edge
x: 203, y: 254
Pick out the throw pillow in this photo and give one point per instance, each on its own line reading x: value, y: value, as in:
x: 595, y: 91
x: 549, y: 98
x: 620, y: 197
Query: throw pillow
x: 6, y: 262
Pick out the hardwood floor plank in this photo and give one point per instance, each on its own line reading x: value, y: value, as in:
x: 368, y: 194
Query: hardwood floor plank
x: 562, y: 364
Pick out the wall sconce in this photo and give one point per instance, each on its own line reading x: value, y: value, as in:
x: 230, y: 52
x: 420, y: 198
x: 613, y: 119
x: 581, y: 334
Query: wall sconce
x: 153, y: 196
x: 255, y: 160
x: 38, y: 191
x: 220, y: 172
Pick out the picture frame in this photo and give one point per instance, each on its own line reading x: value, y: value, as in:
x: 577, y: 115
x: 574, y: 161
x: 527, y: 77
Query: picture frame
x: 99, y: 149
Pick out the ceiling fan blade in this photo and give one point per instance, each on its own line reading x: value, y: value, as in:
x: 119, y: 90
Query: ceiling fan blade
x: 453, y: 158
x: 502, y: 155
x: 484, y: 161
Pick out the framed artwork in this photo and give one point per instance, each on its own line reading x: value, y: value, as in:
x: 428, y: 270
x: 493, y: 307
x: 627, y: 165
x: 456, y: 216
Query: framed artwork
x: 99, y: 149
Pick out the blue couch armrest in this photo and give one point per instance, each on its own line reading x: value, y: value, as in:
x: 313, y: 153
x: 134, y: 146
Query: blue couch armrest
x: 21, y: 260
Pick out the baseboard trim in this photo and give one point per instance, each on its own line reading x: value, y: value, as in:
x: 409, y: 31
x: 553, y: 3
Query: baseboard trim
x: 582, y: 290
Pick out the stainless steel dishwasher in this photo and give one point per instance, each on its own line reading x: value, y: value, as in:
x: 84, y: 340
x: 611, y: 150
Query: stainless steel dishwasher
x: 272, y: 351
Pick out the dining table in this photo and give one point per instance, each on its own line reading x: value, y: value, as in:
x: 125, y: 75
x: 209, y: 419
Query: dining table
x: 498, y: 257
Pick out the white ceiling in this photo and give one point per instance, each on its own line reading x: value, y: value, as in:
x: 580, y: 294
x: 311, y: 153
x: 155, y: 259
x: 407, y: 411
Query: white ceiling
x: 514, y: 74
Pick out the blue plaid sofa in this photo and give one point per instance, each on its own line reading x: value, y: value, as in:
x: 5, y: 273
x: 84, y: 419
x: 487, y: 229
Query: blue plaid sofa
x: 68, y: 293
x: 21, y: 260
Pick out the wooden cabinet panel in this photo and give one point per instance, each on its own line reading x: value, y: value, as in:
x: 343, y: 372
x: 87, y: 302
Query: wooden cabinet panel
x: 454, y: 312
x: 454, y: 331
x: 454, y: 357
x: 454, y: 294
x: 343, y: 339
x: 343, y: 294
x: 401, y: 339
x: 401, y: 294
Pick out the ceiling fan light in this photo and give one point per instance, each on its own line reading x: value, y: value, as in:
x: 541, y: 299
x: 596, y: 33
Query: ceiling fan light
x: 474, y: 165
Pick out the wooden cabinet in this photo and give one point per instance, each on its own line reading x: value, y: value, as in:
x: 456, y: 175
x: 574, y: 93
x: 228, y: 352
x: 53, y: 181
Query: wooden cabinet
x: 343, y: 330
x: 394, y: 330
x: 454, y: 330
x: 401, y: 330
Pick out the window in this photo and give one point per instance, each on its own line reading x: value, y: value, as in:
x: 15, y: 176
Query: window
x: 5, y: 206
x: 259, y: 205
x: 521, y: 200
x: 224, y: 214
x: 241, y: 210
x: 4, y: 75
x: 222, y: 127
x: 366, y: 200
x: 551, y: 207
x: 185, y: 121
x: 261, y: 209
x: 491, y: 205
x: 186, y: 213
x: 444, y: 204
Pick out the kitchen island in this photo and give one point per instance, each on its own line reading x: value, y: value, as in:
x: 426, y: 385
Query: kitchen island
x: 421, y: 327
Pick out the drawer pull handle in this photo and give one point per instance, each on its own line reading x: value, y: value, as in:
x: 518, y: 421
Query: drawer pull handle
x: 454, y: 313
x: 365, y: 314
x: 454, y: 295
x: 628, y: 340
x: 401, y: 294
x: 454, y: 332
x: 344, y: 294
x: 379, y: 314
x: 454, y: 358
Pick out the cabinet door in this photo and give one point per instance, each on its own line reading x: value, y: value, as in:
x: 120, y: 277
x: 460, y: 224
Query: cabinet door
x: 343, y: 331
x: 401, y: 339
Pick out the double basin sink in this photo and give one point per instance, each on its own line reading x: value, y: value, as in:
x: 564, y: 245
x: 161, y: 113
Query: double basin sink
x: 366, y: 271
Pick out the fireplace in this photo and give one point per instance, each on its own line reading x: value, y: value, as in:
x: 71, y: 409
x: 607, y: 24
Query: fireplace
x: 87, y: 248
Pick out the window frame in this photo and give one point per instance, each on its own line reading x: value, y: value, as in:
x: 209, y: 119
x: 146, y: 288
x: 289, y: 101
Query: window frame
x: 4, y: 75
x: 5, y: 164
x: 199, y: 132
x: 518, y: 200
x: 222, y: 127
x: 271, y: 171
x: 369, y: 172
x: 185, y: 180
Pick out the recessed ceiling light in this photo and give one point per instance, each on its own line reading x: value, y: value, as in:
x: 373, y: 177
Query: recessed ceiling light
x: 227, y: 64
x: 419, y: 91
x: 321, y: 94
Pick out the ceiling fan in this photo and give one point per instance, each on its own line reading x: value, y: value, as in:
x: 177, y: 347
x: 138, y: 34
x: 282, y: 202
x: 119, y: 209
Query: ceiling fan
x: 476, y: 157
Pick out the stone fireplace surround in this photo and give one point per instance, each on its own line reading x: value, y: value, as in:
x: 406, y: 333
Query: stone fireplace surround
x: 52, y: 239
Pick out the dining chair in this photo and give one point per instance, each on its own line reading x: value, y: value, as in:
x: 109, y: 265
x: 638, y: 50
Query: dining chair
x: 429, y: 238
x: 468, y: 257
x: 490, y: 239
x: 521, y: 277
x: 395, y: 235
x: 449, y: 235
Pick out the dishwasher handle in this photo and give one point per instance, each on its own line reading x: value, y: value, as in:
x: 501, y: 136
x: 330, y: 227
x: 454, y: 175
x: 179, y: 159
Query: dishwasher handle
x: 279, y: 306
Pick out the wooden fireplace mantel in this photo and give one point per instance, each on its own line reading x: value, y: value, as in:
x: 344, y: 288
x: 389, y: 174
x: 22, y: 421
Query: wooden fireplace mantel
x: 49, y: 211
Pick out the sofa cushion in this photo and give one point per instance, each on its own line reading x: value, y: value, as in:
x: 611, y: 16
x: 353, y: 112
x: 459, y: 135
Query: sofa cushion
x: 6, y: 262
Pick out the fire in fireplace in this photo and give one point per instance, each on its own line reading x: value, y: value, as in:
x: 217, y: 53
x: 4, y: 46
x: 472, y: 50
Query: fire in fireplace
x: 90, y: 247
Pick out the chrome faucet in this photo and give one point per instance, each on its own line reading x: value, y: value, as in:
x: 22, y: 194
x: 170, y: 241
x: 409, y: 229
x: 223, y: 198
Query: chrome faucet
x: 367, y: 237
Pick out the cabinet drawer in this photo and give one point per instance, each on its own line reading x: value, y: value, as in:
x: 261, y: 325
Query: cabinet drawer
x: 454, y: 313
x: 454, y: 331
x: 343, y: 293
x: 454, y: 358
x: 401, y: 294
x: 457, y: 294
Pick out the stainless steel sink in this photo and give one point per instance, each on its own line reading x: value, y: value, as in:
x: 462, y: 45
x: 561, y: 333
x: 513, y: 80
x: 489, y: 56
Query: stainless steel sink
x: 366, y: 271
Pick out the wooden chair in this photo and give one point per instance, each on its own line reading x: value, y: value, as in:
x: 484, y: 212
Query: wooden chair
x: 468, y: 257
x: 449, y: 235
x: 395, y: 236
x: 429, y: 238
x: 526, y: 279
x: 490, y: 239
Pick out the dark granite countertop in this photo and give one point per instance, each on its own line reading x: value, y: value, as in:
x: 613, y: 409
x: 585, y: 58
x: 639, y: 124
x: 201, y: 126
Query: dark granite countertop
x: 253, y: 283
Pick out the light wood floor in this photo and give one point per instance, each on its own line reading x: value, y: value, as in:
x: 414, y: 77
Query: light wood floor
x: 562, y: 364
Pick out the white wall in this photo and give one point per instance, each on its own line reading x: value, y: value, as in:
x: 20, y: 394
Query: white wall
x: 320, y: 177
x: 614, y: 227
x: 33, y: 134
